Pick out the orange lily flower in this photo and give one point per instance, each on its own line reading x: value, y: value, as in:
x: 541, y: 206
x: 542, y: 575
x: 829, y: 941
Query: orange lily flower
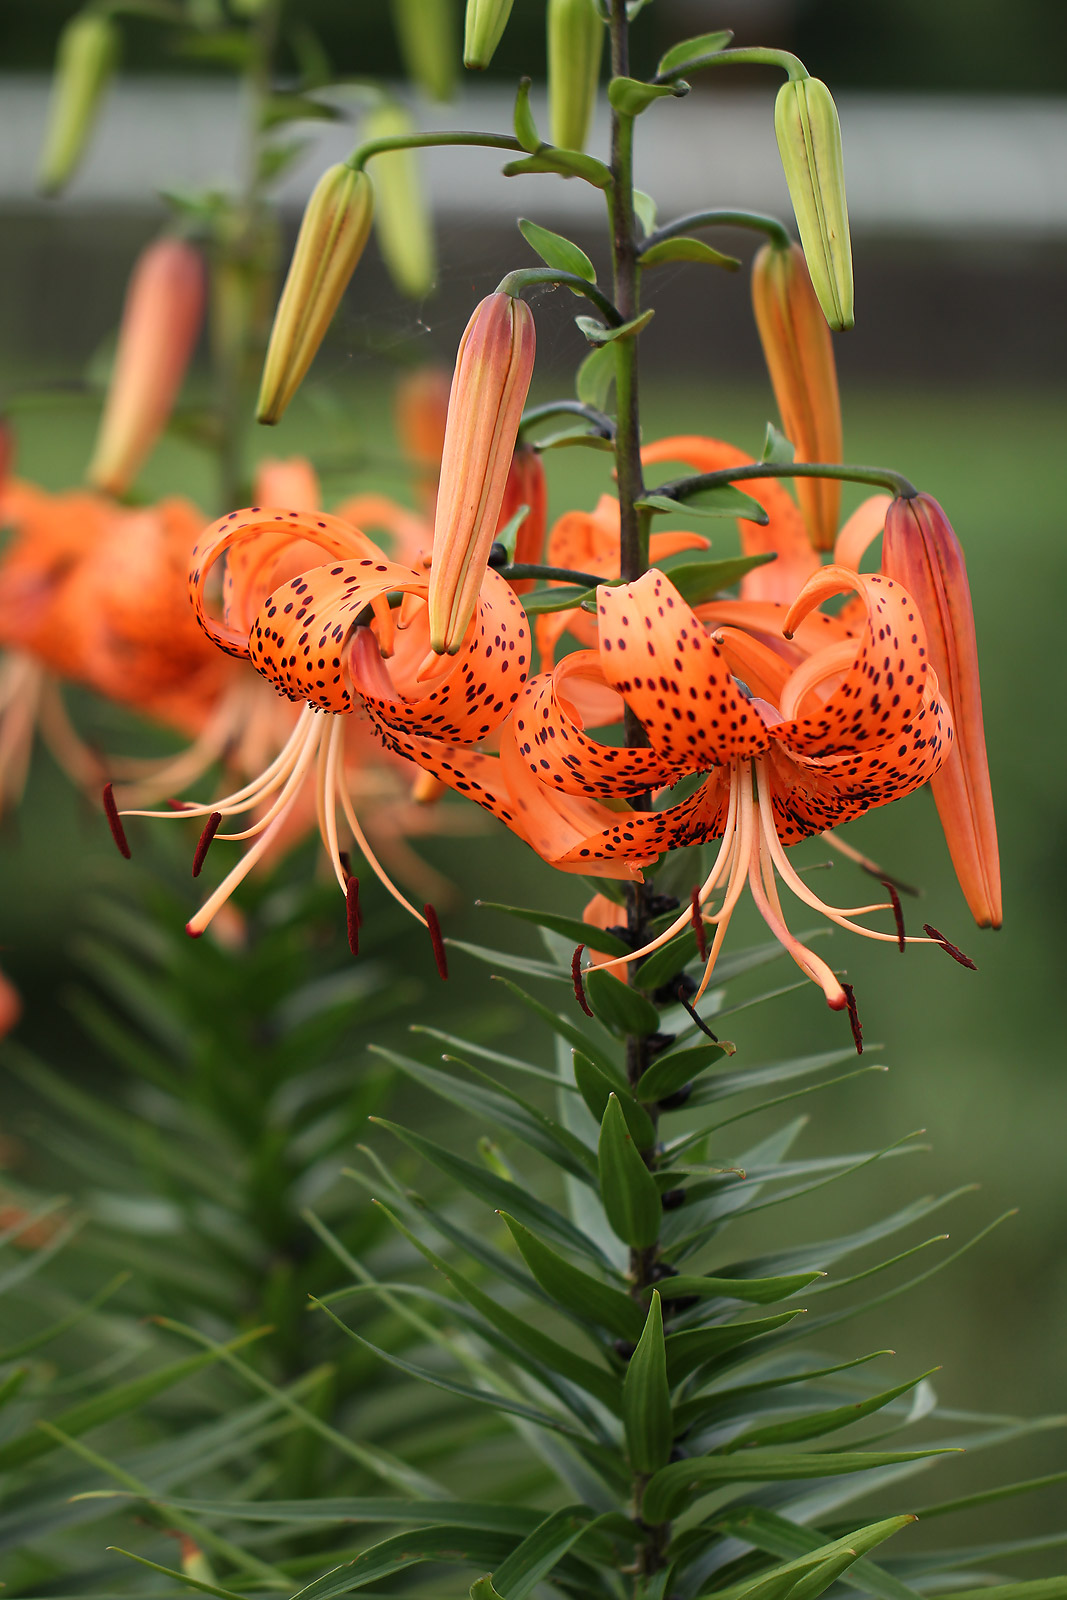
x: 326, y: 636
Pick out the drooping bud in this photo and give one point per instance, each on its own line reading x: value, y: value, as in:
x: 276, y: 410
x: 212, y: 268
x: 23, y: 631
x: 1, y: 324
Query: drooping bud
x: 402, y: 222
x: 921, y: 551
x: 494, y: 366
x: 800, y: 359
x: 483, y: 30
x: 526, y: 486
x: 575, y: 43
x: 426, y: 32
x: 809, y: 142
x: 330, y: 242
x: 86, y: 59
x: 161, y: 320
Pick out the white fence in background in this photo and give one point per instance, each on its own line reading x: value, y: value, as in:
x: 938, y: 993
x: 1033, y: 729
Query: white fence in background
x: 918, y: 165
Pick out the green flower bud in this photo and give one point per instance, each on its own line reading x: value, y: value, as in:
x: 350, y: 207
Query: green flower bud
x: 330, y: 242
x: 426, y: 32
x: 485, y: 24
x: 809, y: 141
x: 575, y: 41
x: 85, y: 62
x: 402, y: 221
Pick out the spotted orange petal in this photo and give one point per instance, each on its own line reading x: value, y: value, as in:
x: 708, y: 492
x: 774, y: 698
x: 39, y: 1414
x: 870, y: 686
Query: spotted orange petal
x: 638, y: 837
x: 655, y: 652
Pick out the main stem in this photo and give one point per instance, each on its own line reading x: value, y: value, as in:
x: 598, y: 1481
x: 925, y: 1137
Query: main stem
x: 633, y: 561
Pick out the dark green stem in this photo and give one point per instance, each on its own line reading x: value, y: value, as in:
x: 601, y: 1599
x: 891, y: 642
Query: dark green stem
x: 528, y: 277
x: 784, y: 60
x: 528, y: 569
x: 683, y: 489
x: 776, y: 231
x: 425, y: 141
x: 600, y: 421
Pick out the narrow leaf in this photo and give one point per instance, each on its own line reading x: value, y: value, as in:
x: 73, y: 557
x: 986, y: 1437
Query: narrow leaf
x: 576, y: 1291
x: 670, y: 1489
x: 682, y: 248
x: 646, y: 1398
x: 703, y: 44
x: 596, y: 1086
x: 556, y: 251
x: 628, y: 1190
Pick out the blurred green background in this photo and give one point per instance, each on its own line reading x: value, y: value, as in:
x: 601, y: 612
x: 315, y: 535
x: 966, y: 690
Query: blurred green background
x: 976, y: 1058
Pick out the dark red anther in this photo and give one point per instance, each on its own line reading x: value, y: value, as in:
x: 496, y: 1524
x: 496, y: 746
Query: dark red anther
x: 203, y: 844
x: 949, y: 948
x: 695, y: 1014
x: 898, y: 911
x: 854, y: 1017
x: 698, y: 925
x: 352, y: 913
x: 438, y: 943
x: 576, y: 978
x: 114, y: 822
x: 181, y: 805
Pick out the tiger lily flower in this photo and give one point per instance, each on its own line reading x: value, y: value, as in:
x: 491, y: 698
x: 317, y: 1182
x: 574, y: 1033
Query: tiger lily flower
x: 326, y: 636
x: 856, y: 724
x: 494, y: 366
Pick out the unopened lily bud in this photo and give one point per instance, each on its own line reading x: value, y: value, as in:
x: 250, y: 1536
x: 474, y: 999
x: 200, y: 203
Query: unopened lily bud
x: 86, y: 59
x: 800, y: 359
x: 402, y: 222
x: 427, y: 34
x: 575, y: 43
x: 161, y: 321
x: 483, y: 30
x: 494, y: 366
x: 330, y: 242
x: 809, y: 142
x: 526, y: 486
x: 921, y: 552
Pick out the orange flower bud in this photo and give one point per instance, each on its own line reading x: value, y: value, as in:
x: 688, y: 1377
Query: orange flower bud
x: 494, y: 366
x: 800, y: 359
x: 160, y: 324
x: 526, y: 486
x: 330, y: 242
x: 921, y: 551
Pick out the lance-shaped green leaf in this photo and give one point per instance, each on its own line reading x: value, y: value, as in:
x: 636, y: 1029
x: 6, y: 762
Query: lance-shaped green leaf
x: 704, y: 44
x: 449, y: 1544
x: 671, y: 1073
x: 619, y: 1007
x: 674, y: 1485
x: 1035, y: 1589
x: 595, y: 376
x: 629, y: 96
x: 684, y: 248
x: 571, y: 163
x: 564, y: 1027
x: 821, y: 1423
x: 556, y: 251
x: 570, y: 927
x: 558, y: 1358
x: 777, y: 448
x: 564, y: 597
x: 697, y: 580
x: 496, y: 1192
x: 525, y: 126
x: 815, y: 1555
x: 505, y: 1109
x: 595, y: 1086
x: 646, y: 1398
x: 536, y: 1557
x: 597, y: 333
x: 778, y: 1536
x: 528, y: 965
x: 575, y: 1291
x: 722, y: 500
x: 759, y: 1291
x: 666, y: 962
x: 627, y: 1189
x: 695, y: 1347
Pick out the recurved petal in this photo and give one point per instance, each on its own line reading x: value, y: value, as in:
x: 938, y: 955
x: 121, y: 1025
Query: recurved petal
x: 878, y: 698
x: 638, y: 837
x: 257, y: 538
x: 654, y: 651
x: 784, y: 536
x: 922, y: 551
x: 478, y: 686
x: 549, y: 733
